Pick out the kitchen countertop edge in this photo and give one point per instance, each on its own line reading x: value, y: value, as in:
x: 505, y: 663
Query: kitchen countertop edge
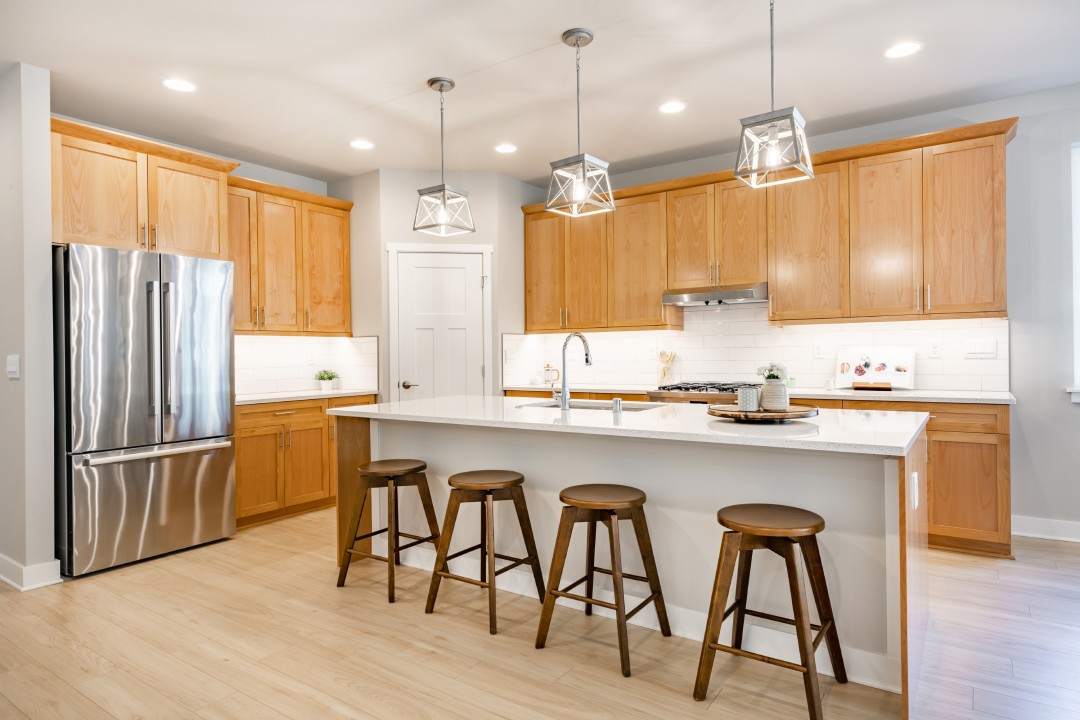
x: 291, y: 396
x: 975, y: 397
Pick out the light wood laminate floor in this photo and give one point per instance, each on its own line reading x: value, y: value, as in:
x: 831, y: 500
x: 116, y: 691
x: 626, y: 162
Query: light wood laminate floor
x: 254, y: 628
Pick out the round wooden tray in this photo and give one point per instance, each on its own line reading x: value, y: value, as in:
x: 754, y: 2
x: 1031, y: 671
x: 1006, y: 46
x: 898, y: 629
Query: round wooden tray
x: 732, y: 412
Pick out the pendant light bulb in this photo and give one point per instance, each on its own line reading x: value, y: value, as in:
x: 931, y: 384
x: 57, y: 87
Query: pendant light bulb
x: 774, y: 141
x: 443, y: 210
x: 579, y: 184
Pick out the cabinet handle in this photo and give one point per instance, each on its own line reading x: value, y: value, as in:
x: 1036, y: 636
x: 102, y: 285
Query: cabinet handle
x: 142, y: 230
x: 710, y: 273
x: 770, y: 305
x: 662, y: 308
x: 153, y: 236
x: 285, y: 412
x: 918, y: 298
x: 281, y: 439
x: 290, y: 437
x: 929, y: 305
x: 307, y: 321
x: 567, y: 317
x: 256, y: 311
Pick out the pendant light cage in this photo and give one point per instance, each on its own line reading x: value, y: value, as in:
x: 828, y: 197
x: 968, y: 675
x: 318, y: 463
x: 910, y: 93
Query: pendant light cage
x: 772, y: 146
x: 443, y: 210
x: 579, y: 184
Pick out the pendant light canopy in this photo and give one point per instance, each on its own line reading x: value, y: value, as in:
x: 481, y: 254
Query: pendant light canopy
x: 773, y: 141
x: 579, y: 184
x: 443, y: 210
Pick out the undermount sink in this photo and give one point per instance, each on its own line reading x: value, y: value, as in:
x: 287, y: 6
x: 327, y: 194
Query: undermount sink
x: 596, y: 405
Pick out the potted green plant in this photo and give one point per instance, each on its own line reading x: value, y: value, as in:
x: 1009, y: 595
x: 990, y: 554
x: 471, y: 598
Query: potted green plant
x: 774, y: 394
x: 326, y: 379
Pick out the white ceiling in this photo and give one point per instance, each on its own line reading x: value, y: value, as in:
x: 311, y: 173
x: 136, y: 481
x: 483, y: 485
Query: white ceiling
x: 288, y: 84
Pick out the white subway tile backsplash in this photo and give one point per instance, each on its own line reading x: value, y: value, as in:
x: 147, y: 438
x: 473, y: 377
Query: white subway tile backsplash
x: 284, y: 364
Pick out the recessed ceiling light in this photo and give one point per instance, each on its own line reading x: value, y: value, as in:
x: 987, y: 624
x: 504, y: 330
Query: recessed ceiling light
x: 505, y: 148
x: 903, y: 49
x: 673, y: 106
x: 362, y: 144
x: 180, y: 85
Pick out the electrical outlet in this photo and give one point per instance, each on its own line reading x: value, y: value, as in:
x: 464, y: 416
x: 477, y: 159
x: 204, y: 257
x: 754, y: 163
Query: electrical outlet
x: 935, y: 351
x: 819, y: 352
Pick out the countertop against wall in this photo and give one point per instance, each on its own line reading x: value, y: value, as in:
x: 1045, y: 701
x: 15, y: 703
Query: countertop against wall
x: 269, y: 397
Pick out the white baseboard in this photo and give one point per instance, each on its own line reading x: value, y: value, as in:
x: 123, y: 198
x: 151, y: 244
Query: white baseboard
x: 1047, y: 528
x: 28, y: 577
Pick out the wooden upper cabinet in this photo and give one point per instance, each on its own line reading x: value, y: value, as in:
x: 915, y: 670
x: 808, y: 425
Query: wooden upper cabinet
x: 742, y: 236
x: 637, y: 261
x: 964, y: 226
x: 99, y: 195
x: 691, y: 238
x: 544, y: 280
x: 808, y: 246
x: 886, y: 234
x: 188, y: 209
x: 281, y: 251
x: 326, y: 269
x: 586, y: 272
x: 243, y: 244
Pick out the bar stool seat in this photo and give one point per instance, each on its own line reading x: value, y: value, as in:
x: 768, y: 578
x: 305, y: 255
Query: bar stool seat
x: 392, y: 475
x: 607, y: 504
x: 777, y: 528
x: 487, y: 487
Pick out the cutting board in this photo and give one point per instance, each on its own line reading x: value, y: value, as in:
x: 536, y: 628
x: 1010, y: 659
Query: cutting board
x: 876, y: 364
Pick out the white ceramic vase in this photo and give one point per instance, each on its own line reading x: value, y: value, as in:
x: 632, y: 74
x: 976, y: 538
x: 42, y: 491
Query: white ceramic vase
x: 326, y: 385
x: 774, y: 395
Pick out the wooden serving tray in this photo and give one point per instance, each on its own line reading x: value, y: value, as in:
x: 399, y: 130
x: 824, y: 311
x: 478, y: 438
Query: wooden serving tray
x: 732, y: 412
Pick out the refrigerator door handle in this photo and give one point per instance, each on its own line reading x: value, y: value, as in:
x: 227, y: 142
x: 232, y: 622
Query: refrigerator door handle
x: 164, y: 452
x: 153, y: 315
x: 166, y: 344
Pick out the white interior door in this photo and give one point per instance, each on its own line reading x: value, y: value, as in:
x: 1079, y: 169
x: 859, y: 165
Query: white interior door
x: 440, y: 332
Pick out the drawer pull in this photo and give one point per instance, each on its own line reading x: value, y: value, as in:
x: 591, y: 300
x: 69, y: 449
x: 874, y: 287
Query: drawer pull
x: 285, y: 412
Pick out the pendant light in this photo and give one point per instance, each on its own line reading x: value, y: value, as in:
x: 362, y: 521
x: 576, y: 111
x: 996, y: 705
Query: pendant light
x: 775, y: 140
x: 579, y: 184
x: 443, y: 210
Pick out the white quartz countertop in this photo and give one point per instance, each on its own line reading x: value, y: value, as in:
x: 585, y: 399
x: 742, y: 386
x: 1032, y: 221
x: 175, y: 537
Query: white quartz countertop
x: 867, y: 432
x: 256, y: 398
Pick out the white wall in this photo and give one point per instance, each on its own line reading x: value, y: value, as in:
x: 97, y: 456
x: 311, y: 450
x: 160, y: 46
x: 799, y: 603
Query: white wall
x: 27, y: 543
x: 1045, y: 424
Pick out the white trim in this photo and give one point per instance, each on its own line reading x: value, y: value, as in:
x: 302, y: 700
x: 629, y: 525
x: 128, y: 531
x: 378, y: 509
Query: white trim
x: 1076, y: 390
x: 395, y: 250
x: 28, y: 577
x: 1046, y: 528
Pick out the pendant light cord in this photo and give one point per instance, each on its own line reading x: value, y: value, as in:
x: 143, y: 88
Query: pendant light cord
x: 772, y: 56
x: 442, y: 138
x: 577, y: 71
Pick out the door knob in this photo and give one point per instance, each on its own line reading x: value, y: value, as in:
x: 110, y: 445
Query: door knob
x: 405, y: 385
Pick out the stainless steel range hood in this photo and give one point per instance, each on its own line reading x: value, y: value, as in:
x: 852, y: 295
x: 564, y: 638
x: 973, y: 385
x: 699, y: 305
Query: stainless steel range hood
x: 718, y: 295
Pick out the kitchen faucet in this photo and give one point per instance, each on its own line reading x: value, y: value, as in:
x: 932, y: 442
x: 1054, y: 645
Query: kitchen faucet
x: 564, y: 396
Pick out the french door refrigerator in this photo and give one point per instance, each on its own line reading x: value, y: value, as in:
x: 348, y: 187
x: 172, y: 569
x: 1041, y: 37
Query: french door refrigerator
x: 144, y: 404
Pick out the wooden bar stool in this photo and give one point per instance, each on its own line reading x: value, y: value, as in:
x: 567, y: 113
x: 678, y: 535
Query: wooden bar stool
x: 778, y: 528
x: 607, y: 504
x: 486, y: 486
x: 390, y: 474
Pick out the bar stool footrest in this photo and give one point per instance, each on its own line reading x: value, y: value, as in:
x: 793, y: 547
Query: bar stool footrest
x: 417, y: 541
x: 642, y: 604
x: 462, y: 578
x: 459, y: 553
x: 758, y: 656
x: 582, y: 598
x: 626, y: 576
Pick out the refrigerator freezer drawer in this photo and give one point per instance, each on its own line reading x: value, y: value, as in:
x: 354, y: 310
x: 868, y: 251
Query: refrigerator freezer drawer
x: 133, y: 504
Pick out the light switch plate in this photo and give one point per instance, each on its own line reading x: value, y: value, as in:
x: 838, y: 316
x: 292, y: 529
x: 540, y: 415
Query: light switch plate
x: 13, y: 370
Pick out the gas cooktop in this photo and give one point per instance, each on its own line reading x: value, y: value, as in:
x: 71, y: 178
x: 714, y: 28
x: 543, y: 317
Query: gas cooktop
x: 699, y: 392
x: 713, y: 387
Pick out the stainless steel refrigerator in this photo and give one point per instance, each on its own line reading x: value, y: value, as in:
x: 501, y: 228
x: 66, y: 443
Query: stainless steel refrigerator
x: 144, y: 404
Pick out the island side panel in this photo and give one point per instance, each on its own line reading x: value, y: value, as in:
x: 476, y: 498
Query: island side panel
x: 914, y: 591
x: 353, y: 450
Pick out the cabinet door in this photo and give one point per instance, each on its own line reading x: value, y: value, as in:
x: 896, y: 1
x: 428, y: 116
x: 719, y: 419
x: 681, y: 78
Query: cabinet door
x: 544, y: 280
x: 244, y: 252
x: 637, y: 262
x: 260, y: 470
x: 964, y: 197
x: 808, y: 246
x: 99, y: 194
x: 969, y: 486
x: 187, y: 209
x: 326, y: 269
x: 586, y: 272
x: 307, y: 462
x: 691, y: 230
x: 280, y: 263
x: 886, y: 234
x: 742, y: 236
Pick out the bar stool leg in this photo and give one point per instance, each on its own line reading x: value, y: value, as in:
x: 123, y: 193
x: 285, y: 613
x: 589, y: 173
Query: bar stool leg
x: 518, y: 496
x: 429, y: 507
x: 441, y: 565
x: 617, y: 587
x: 354, y: 528
x: 644, y: 540
x: 489, y: 557
x: 483, y: 542
x: 816, y: 571
x: 590, y: 564
x: 391, y: 536
x: 742, y: 587
x: 803, y: 632
x: 725, y: 568
x: 558, y: 560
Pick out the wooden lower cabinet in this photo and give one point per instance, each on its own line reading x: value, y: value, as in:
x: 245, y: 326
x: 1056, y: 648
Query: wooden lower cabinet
x: 286, y: 457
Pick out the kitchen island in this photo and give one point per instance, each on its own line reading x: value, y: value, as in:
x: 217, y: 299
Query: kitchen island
x: 863, y: 471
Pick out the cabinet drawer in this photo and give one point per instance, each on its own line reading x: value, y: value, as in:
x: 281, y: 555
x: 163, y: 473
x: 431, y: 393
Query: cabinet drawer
x: 947, y: 417
x: 819, y: 403
x: 351, y: 400
x: 277, y: 413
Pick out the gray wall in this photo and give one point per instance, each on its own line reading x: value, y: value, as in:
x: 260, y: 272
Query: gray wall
x: 1042, y: 301
x: 27, y: 557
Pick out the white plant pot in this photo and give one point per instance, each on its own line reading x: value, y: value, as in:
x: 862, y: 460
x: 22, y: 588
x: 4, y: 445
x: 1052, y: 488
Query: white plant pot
x: 774, y: 395
x: 326, y: 385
